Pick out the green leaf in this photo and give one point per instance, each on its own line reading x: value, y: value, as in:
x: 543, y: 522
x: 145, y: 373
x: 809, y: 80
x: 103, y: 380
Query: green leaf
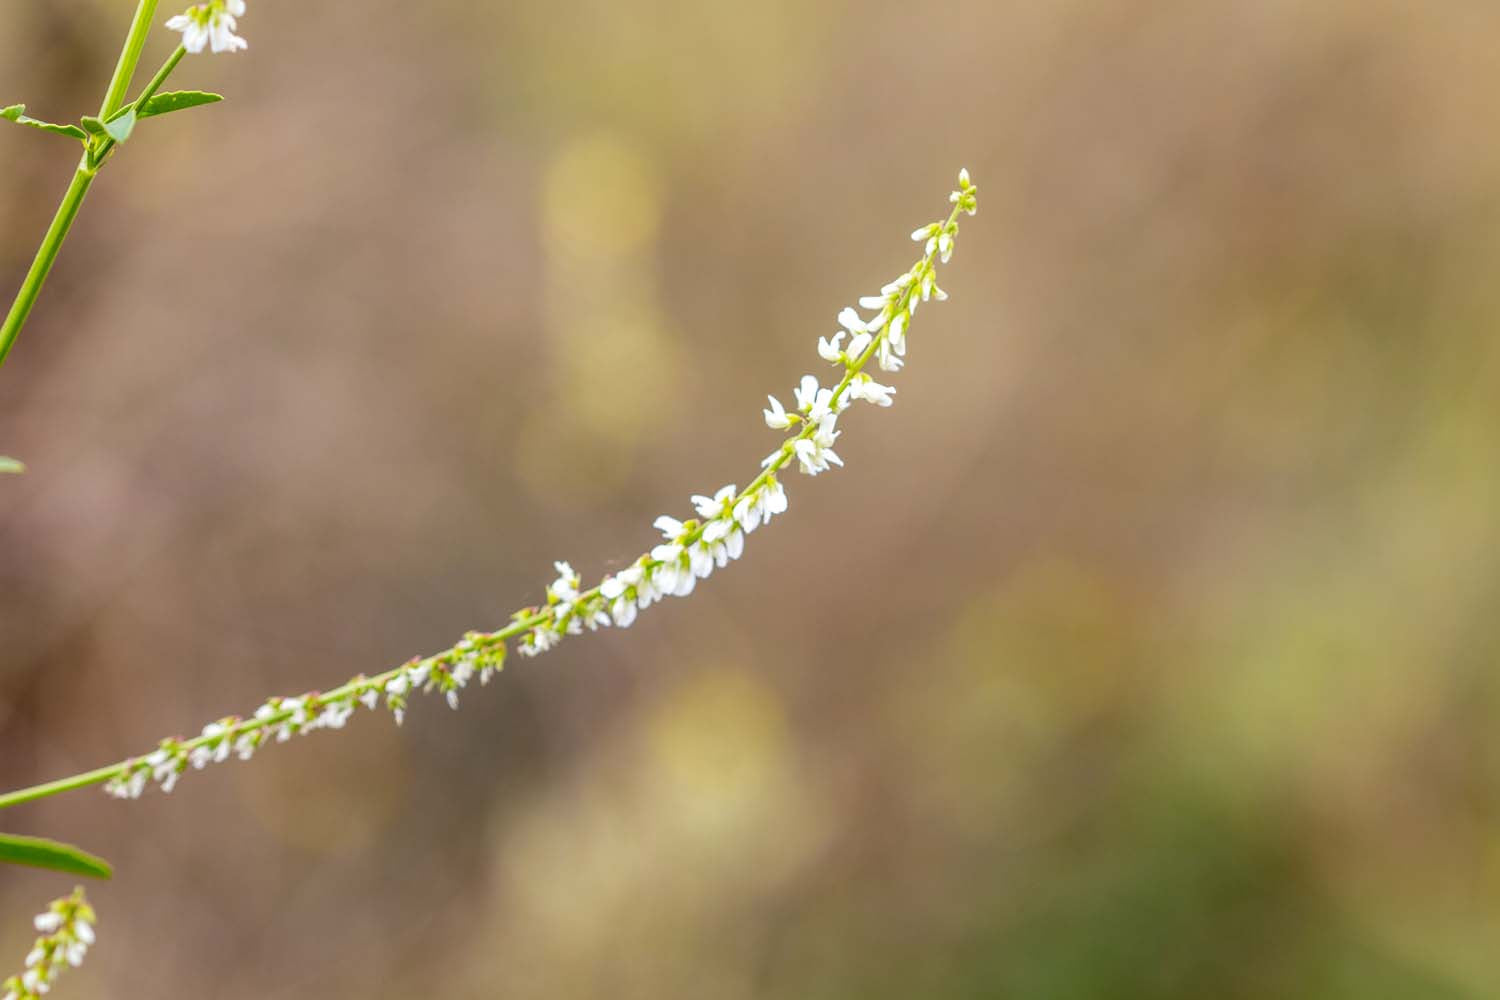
x: 71, y: 131
x: 10, y: 465
x: 15, y: 113
x: 92, y: 125
x: 41, y: 853
x: 120, y: 126
x: 178, y: 100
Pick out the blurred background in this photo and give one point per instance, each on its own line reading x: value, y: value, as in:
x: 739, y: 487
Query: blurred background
x: 1143, y: 650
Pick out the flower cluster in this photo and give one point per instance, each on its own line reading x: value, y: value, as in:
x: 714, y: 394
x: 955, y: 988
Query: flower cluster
x: 67, y: 929
x: 478, y: 654
x: 688, y: 552
x: 210, y: 24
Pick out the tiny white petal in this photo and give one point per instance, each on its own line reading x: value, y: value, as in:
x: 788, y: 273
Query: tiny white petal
x: 849, y: 320
x: 806, y: 392
x: 776, y: 416
x: 828, y: 350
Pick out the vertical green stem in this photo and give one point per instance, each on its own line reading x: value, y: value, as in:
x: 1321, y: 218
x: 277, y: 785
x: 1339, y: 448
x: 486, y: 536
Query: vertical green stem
x: 45, y: 255
x: 129, y: 56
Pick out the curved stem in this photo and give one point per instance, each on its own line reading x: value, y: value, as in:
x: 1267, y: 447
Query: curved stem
x: 522, y: 621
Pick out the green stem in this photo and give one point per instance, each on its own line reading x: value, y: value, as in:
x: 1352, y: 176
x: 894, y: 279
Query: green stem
x: 159, y: 79
x: 45, y: 255
x: 84, y: 780
x: 130, y: 54
x: 98, y: 157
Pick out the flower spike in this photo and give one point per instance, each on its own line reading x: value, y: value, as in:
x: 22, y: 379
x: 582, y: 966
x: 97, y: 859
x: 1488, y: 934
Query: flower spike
x: 67, y: 929
x: 689, y: 551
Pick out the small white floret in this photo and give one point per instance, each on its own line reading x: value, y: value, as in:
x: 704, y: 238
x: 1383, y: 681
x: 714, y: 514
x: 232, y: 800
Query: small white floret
x: 777, y: 417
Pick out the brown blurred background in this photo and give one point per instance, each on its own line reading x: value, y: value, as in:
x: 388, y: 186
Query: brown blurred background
x: 1145, y: 649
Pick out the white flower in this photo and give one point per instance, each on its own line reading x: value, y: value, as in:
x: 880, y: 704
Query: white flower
x: 623, y: 612
x: 748, y: 513
x: 866, y: 388
x: 670, y: 527
x: 898, y: 332
x: 849, y: 320
x: 542, y: 639
x: 815, y: 453
x: 823, y: 405
x: 565, y: 588
x: 611, y: 587
x: 334, y: 714
x: 775, y: 495
x: 48, y: 922
x: 806, y: 393
x: 672, y: 576
x: 701, y: 559
x: 887, y: 358
x: 894, y: 289
x: 212, y: 24
x: 776, y: 417
x: 828, y: 350
x: 715, y: 505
